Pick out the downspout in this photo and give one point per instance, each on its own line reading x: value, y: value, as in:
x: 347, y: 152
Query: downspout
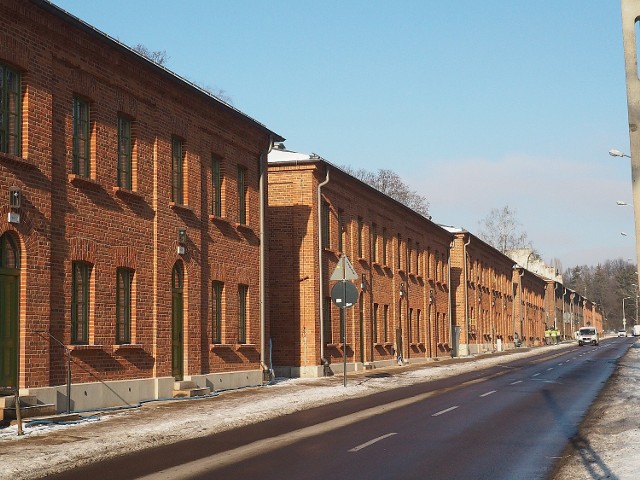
x: 564, y: 293
x: 466, y: 293
x: 555, y: 308
x: 320, y: 269
x: 263, y: 259
x: 449, y: 308
x: 521, y: 312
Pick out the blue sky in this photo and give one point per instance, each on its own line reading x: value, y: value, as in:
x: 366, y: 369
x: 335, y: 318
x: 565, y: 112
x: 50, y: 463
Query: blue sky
x: 477, y: 105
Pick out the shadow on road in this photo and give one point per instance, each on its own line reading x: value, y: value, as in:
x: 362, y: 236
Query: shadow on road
x: 593, y: 463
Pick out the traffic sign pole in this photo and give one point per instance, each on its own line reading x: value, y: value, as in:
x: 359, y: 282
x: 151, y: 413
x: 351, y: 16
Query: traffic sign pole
x: 344, y: 296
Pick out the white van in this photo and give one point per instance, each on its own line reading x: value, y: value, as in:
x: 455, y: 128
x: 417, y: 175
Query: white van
x: 588, y: 336
x: 636, y: 330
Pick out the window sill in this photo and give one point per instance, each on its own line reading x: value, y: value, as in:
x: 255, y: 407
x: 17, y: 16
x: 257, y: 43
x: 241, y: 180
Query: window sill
x: 127, y: 346
x: 85, y: 182
x: 336, y: 345
x: 125, y: 192
x: 217, y: 218
x: 243, y: 226
x: 244, y: 346
x: 82, y: 348
x: 180, y: 206
x: 221, y: 346
x: 17, y: 160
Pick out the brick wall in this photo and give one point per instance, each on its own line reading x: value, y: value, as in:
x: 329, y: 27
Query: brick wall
x: 417, y: 320
x: 67, y: 218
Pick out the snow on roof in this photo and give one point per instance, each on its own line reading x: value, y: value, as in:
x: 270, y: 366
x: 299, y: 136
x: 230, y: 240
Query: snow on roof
x: 281, y: 154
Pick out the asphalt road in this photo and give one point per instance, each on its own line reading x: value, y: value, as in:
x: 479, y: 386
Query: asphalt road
x: 504, y: 422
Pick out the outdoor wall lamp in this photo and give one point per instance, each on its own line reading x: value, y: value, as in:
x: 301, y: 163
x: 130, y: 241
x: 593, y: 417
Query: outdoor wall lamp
x: 15, y: 197
x: 363, y: 282
x: 401, y: 289
x: 431, y: 297
x: 15, y: 201
x: 182, y: 239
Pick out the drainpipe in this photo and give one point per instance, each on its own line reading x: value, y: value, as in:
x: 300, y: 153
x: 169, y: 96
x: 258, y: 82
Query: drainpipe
x: 320, y: 269
x: 564, y: 293
x: 457, y: 342
x: 466, y: 292
x: 555, y: 310
x: 520, y: 306
x: 263, y: 173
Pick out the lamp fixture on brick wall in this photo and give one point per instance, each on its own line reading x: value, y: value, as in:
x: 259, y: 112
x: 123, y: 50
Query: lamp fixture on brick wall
x: 15, y: 201
x: 182, y: 240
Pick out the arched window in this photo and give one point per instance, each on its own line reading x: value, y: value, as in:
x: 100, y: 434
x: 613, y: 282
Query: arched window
x: 177, y: 277
x: 9, y: 252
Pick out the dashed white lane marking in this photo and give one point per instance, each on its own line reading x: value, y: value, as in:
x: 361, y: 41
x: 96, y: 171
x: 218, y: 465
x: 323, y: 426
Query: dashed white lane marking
x: 444, y: 411
x: 488, y: 393
x: 371, y: 442
x: 516, y: 382
x: 535, y: 374
x: 549, y: 369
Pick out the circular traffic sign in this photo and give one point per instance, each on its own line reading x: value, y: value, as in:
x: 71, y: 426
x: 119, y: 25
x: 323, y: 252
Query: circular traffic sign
x: 344, y: 294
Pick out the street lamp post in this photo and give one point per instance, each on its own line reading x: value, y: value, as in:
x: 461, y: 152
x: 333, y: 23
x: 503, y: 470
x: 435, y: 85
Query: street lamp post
x: 630, y: 13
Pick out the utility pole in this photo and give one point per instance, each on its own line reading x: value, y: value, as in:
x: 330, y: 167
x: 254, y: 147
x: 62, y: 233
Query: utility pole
x: 630, y: 12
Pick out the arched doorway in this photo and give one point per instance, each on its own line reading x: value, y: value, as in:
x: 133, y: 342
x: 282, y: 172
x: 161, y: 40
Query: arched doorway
x: 177, y: 322
x: 9, y: 293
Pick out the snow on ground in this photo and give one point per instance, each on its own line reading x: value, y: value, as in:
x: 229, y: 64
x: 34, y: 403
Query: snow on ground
x: 606, y: 451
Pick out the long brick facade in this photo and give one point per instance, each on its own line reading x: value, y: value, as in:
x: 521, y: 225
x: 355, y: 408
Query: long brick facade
x: 318, y: 213
x: 145, y: 238
x: 140, y: 195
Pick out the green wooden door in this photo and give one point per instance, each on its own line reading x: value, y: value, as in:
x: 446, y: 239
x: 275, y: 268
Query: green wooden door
x: 9, y: 287
x: 177, y: 321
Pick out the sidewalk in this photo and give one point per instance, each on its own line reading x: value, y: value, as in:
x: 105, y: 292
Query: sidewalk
x: 47, y: 449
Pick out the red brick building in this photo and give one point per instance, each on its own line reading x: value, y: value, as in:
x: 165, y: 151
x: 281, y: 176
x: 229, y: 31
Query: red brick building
x: 137, y: 245
x: 317, y: 214
x: 484, y: 286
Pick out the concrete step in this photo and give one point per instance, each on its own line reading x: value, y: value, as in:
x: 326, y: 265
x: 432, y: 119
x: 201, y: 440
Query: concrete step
x: 191, y: 392
x: 28, y: 411
x: 184, y: 385
x: 9, y: 401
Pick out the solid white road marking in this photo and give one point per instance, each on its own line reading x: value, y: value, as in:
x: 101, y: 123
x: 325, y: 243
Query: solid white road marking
x: 371, y: 442
x: 444, y: 411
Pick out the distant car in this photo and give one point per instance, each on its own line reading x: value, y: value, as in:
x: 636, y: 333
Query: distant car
x: 588, y: 336
x: 622, y: 333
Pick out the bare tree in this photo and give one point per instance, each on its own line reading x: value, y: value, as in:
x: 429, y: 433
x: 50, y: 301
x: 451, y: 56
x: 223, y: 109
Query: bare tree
x: 390, y: 183
x: 158, y: 56
x: 501, y: 230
